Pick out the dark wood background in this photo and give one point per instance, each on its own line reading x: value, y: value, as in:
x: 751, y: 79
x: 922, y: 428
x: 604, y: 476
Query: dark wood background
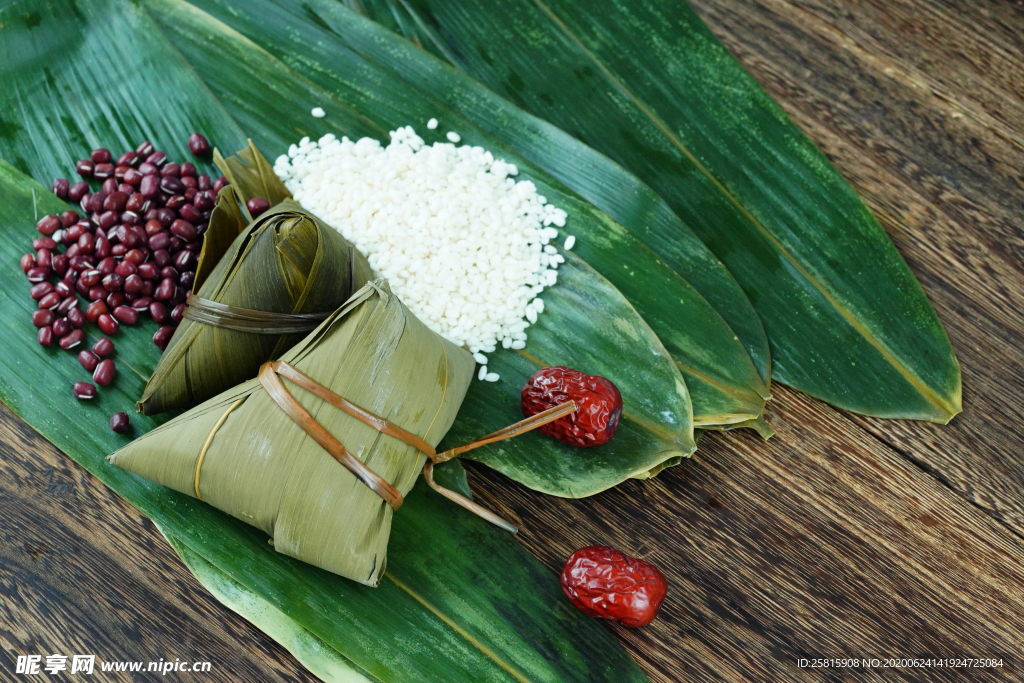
x: 841, y: 537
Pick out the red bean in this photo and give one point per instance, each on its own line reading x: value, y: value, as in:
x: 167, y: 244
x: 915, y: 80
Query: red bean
x: 69, y: 218
x: 103, y: 248
x: 84, y: 167
x: 38, y: 274
x: 219, y: 184
x: 94, y: 202
x: 88, y: 359
x: 103, y: 347
x: 43, y: 317
x: 115, y: 201
x: 77, y: 191
x: 119, y: 422
x: 178, y: 313
x: 115, y: 299
x: 86, y: 243
x: 39, y: 291
x: 190, y: 214
x: 107, y: 265
x: 103, y: 171
x: 101, y: 155
x: 104, y: 373
x: 161, y: 257
x: 50, y: 301
x: 107, y: 323
x: 82, y: 263
x: 149, y: 186
x: 204, y: 200
x: 166, y: 216
x: 113, y: 282
x: 142, y: 303
x: 166, y: 290
x: 62, y: 288
x: 257, y: 205
x: 157, y: 159
x: 76, y: 317
x: 171, y: 169
x: 176, y: 201
x: 187, y: 278
x: 71, y: 339
x: 137, y: 256
x: 144, y: 149
x: 97, y: 293
x: 133, y: 177
x: 48, y: 225
x: 148, y: 287
x: 203, y: 182
x: 91, y: 278
x: 163, y: 337
x: 128, y: 159
x: 94, y: 310
x: 45, y: 336
x: 160, y: 240
x: 109, y: 219
x: 126, y: 268
x: 59, y: 263
x: 126, y: 315
x: 198, y: 144
x: 147, y: 271
x: 60, y: 187
x: 83, y: 391
x: 159, y: 312
x: 44, y: 243
x: 28, y: 262
x: 133, y: 284
x: 61, y: 326
x: 67, y: 304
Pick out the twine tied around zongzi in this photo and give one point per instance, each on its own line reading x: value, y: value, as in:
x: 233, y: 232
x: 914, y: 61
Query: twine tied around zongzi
x: 211, y: 312
x: 270, y: 377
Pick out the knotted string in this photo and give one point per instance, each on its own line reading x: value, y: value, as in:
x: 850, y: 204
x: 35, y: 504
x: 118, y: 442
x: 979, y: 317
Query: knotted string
x: 270, y: 377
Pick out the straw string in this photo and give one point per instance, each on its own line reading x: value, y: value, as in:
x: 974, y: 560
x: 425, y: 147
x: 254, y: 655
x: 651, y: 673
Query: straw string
x: 270, y: 377
x: 209, y: 312
x: 209, y: 440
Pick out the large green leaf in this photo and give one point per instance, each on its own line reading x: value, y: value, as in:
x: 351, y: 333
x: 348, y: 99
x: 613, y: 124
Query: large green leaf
x: 647, y: 83
x: 461, y: 600
x: 384, y: 86
x: 657, y: 425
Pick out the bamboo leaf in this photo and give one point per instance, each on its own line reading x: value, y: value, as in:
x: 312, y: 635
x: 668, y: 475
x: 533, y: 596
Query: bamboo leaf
x: 644, y: 372
x: 846, y: 319
x: 321, y: 659
x: 460, y: 600
x: 365, y: 98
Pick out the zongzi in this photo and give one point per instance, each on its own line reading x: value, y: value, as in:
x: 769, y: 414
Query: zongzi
x: 244, y: 454
x: 280, y: 277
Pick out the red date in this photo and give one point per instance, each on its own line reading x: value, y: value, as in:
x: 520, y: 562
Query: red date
x: 598, y: 403
x: 603, y: 582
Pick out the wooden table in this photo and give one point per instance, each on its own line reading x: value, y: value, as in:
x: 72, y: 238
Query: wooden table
x: 841, y: 537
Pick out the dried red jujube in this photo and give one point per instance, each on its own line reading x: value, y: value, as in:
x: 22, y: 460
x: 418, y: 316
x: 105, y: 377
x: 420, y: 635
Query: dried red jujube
x: 598, y: 402
x: 604, y: 582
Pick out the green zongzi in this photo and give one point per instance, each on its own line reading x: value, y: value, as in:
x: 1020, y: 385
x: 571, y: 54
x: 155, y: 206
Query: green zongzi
x: 279, y: 278
x: 243, y: 453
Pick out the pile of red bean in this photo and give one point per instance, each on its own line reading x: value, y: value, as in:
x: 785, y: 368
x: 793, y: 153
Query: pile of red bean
x: 133, y: 250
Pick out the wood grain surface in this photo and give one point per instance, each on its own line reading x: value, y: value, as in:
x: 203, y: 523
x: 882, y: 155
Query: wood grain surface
x: 843, y: 536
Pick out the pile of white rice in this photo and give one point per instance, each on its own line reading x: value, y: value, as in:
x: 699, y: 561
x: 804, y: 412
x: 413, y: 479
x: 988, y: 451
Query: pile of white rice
x: 465, y: 246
